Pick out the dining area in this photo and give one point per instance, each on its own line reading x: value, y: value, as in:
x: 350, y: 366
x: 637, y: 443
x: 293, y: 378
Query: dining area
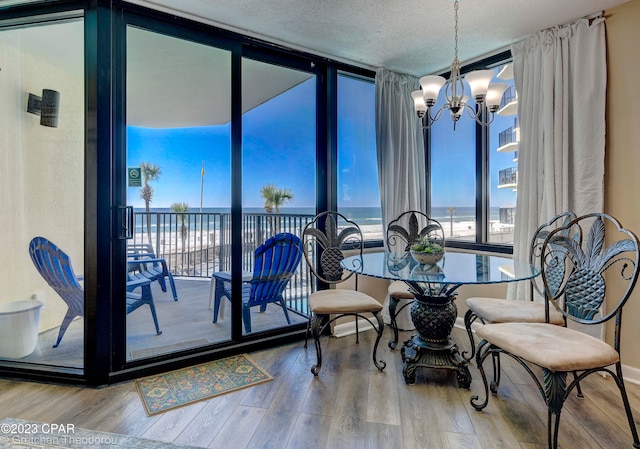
x: 564, y: 283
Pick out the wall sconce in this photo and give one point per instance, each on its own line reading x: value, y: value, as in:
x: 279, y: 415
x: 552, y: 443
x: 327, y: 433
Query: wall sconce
x: 46, y: 106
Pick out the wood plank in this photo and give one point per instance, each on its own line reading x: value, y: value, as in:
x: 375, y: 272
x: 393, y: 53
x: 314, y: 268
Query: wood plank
x: 383, y: 399
x: 607, y: 429
x: 239, y: 428
x: 418, y: 418
x: 454, y: 440
x: 310, y: 432
x: 383, y: 405
x: 490, y: 424
x: 525, y: 426
x: 323, y: 389
x: 571, y: 434
x: 274, y: 430
x: 262, y: 395
x: 206, y: 424
x: 171, y: 423
x: 383, y: 436
x: 348, y: 424
x: 533, y: 446
x: 293, y: 389
x: 132, y: 419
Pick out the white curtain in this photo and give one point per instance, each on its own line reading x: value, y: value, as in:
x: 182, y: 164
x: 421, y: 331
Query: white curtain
x: 401, y: 170
x: 400, y: 144
x: 561, y: 77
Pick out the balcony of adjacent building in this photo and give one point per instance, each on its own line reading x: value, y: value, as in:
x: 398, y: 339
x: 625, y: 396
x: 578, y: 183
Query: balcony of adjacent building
x: 509, y: 103
x: 509, y: 141
x: 508, y: 178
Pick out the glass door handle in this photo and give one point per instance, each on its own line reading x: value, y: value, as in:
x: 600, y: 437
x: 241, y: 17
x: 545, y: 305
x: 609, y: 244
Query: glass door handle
x: 126, y: 222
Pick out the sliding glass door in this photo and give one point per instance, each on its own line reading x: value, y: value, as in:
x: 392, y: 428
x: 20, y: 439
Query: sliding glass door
x: 278, y: 191
x: 178, y: 141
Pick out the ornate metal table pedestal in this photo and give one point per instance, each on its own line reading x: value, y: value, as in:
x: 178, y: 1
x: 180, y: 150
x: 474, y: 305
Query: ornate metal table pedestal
x: 433, y: 317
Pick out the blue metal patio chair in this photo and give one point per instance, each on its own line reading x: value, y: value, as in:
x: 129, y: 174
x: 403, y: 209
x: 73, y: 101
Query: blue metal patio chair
x: 143, y: 264
x: 54, y: 266
x: 275, y: 263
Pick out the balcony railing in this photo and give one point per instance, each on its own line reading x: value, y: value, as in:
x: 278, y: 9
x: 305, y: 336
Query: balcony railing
x: 508, y: 177
x: 508, y: 96
x: 509, y: 135
x: 198, y: 244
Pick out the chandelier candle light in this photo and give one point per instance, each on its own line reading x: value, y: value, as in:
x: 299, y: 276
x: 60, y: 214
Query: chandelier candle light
x: 485, y: 93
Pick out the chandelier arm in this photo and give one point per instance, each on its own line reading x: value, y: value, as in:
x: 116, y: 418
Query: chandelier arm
x: 454, y: 93
x: 430, y: 119
x: 477, y: 116
x: 472, y: 113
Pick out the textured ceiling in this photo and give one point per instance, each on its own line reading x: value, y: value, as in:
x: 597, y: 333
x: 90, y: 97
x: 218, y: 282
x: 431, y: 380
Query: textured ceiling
x: 406, y: 36
x: 175, y: 83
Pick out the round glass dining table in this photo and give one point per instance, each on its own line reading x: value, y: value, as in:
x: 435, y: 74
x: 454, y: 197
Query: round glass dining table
x: 434, y: 311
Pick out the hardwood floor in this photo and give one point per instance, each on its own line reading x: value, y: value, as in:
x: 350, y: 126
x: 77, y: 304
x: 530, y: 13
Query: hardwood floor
x: 350, y: 405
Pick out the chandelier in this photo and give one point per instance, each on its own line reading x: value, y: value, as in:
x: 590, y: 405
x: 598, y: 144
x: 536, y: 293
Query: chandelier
x: 485, y: 93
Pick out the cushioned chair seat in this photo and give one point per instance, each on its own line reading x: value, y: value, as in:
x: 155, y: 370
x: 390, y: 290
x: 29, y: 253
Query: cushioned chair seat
x: 500, y: 310
x: 323, y: 242
x: 554, y: 347
x: 342, y: 301
x: 400, y: 290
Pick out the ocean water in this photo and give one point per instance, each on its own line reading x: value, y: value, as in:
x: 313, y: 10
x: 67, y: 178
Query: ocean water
x: 361, y: 215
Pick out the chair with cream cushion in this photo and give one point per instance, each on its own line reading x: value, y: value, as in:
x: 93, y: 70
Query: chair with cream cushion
x: 325, y: 240
x: 502, y: 310
x: 401, y: 234
x: 594, y: 270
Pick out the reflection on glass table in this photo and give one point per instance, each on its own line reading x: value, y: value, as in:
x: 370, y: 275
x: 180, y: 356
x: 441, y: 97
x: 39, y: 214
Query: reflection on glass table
x: 434, y: 312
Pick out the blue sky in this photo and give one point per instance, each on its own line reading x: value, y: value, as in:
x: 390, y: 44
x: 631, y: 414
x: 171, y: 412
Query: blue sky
x: 279, y: 148
x: 453, y: 169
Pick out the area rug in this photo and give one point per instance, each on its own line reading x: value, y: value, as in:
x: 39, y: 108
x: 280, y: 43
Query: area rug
x: 166, y: 391
x: 19, y: 434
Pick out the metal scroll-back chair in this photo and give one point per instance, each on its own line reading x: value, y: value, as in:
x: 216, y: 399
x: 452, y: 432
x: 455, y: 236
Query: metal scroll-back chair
x: 594, y: 271
x: 275, y: 263
x: 403, y: 232
x: 324, y: 241
x: 502, y: 310
x: 54, y: 266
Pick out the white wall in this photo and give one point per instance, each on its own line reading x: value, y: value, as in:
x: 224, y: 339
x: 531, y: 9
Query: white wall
x: 41, y: 168
x: 622, y: 156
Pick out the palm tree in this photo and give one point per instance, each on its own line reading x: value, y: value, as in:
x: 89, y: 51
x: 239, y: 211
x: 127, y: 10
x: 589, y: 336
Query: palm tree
x: 275, y: 197
x: 181, y: 209
x: 150, y: 172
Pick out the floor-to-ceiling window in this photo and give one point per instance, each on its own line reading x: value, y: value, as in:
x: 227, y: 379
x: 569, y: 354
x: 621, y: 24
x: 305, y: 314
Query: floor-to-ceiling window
x: 358, y: 191
x: 473, y: 170
x: 453, y: 175
x: 504, y: 138
x: 171, y: 139
x: 278, y: 188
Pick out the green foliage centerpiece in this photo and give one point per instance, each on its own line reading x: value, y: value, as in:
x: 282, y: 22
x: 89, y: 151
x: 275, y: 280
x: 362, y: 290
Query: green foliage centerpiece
x: 425, y: 251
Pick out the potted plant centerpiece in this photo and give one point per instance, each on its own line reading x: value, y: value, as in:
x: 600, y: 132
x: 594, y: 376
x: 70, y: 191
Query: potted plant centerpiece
x: 425, y: 251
